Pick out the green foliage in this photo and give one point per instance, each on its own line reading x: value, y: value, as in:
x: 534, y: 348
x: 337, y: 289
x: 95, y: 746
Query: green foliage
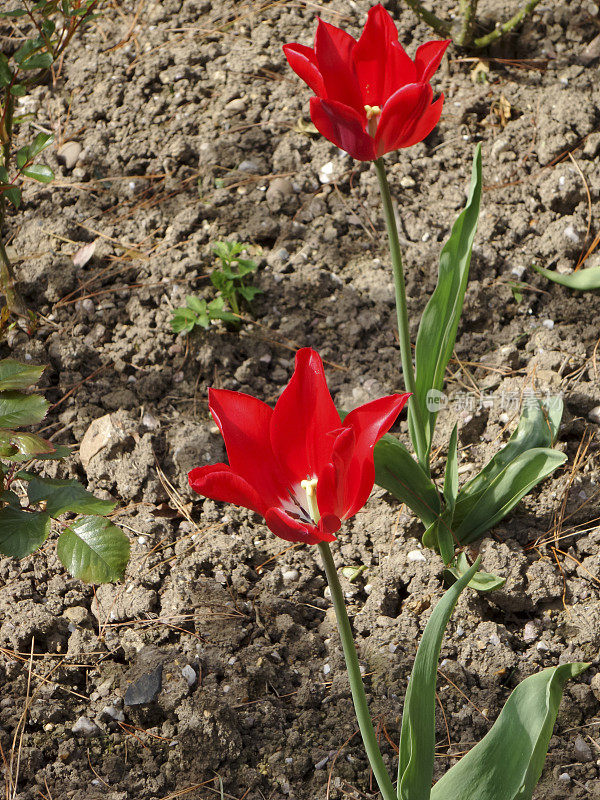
x: 583, y: 280
x: 230, y: 281
x: 90, y: 547
x: 506, y: 764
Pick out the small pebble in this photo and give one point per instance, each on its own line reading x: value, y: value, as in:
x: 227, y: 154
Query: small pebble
x: 582, y: 750
x: 68, y: 153
x: 494, y: 640
x: 594, y: 415
x: 290, y: 575
x: 189, y: 673
x: 326, y: 172
x: 548, y: 323
x: 564, y: 777
x: 326, y: 669
x: 321, y: 764
x: 542, y: 647
x: 86, y: 727
x: 571, y: 234
x: 518, y: 272
x: 416, y: 555
x: 530, y: 632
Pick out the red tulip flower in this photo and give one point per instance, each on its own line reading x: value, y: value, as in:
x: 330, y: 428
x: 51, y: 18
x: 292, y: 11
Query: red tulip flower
x: 297, y: 465
x: 371, y: 97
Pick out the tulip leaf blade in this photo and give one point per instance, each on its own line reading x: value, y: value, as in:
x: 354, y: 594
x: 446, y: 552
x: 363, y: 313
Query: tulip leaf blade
x: 398, y: 472
x: 584, y: 280
x: 504, y: 492
x: 439, y: 323
x: 482, y: 581
x: 417, y: 737
x: 508, y: 761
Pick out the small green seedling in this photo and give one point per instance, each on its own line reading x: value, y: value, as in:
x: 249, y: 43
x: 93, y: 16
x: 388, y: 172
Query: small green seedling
x: 90, y: 547
x: 229, y: 280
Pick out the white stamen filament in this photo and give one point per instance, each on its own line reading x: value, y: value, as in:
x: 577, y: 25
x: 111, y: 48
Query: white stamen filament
x: 310, y: 487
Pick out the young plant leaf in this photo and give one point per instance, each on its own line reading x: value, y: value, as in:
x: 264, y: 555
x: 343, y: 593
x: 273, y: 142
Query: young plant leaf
x: 417, y: 736
x: 39, y: 172
x: 581, y: 281
x: 13, y: 194
x: 504, y: 492
x: 14, y: 375
x: 439, y: 323
x: 29, y: 445
x: 18, y: 409
x: 41, y: 142
x: 37, y: 61
x: 481, y: 581
x: 66, y: 495
x: 22, y: 532
x: 398, y: 473
x: 507, y: 763
x: 94, y: 550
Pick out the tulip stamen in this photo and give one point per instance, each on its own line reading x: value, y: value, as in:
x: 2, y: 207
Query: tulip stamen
x: 373, y: 113
x: 310, y: 487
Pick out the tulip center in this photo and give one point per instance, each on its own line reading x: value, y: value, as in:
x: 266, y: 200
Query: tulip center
x: 373, y: 113
x: 310, y: 487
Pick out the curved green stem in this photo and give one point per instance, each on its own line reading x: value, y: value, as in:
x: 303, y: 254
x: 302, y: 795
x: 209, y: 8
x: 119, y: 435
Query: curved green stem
x: 420, y: 444
x: 356, y: 684
x: 440, y: 26
x: 507, y: 27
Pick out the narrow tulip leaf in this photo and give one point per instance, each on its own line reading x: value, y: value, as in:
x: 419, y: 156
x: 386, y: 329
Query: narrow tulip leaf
x: 538, y: 427
x: 504, y: 492
x: 481, y: 581
x: 417, y: 736
x: 18, y: 409
x: 94, y: 550
x: 14, y: 375
x: 22, y: 532
x: 451, y: 476
x: 581, y: 281
x: 507, y: 763
x: 439, y: 536
x: 398, y: 473
x: 66, y: 495
x: 439, y: 323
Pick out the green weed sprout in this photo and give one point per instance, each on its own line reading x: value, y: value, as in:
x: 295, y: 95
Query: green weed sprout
x: 230, y: 282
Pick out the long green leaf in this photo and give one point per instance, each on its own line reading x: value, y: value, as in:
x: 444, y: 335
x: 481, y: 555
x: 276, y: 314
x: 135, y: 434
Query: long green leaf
x: 18, y: 409
x: 398, y: 473
x: 538, y: 427
x: 22, y: 532
x: 439, y: 323
x: 507, y: 763
x: 94, y: 550
x: 66, y: 495
x: 505, y: 491
x: 581, y: 281
x: 14, y: 375
x: 417, y: 736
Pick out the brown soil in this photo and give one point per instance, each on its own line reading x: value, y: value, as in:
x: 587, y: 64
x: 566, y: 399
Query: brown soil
x: 189, y: 127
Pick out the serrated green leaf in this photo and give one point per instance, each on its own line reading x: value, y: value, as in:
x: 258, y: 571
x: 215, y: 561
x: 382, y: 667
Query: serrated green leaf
x: 22, y: 532
x: 248, y: 292
x: 196, y: 304
x: 583, y: 280
x: 17, y: 409
x: 66, y: 495
x: 37, y: 61
x: 417, y: 736
x: 15, y: 375
x: 22, y: 157
x: 18, y: 90
x: 3, y: 174
x: 39, y: 172
x: 507, y: 763
x: 94, y: 550
x: 29, y: 445
x: 13, y: 194
x: 41, y: 142
x: 398, y: 473
x: 6, y: 75
x: 439, y: 323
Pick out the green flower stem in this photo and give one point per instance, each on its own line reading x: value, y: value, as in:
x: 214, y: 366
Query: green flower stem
x: 402, y: 314
x: 440, y: 26
x: 508, y: 26
x: 356, y: 684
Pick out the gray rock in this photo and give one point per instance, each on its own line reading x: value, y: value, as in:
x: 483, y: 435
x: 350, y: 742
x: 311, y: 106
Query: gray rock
x: 145, y: 689
x: 582, y: 750
x: 68, y: 153
x: 189, y: 673
x: 86, y: 727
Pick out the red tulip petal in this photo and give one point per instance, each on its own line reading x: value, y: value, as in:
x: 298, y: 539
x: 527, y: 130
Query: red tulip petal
x: 218, y: 482
x: 332, y: 486
x: 344, y: 127
x: 427, y: 123
x: 428, y: 58
x: 290, y: 529
x: 333, y: 50
x: 369, y: 423
x: 303, y: 61
x: 401, y: 116
x: 303, y: 416
x: 244, y: 422
x: 381, y: 63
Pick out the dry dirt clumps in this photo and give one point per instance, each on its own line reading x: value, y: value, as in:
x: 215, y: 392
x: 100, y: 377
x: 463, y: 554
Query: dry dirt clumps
x: 216, y: 664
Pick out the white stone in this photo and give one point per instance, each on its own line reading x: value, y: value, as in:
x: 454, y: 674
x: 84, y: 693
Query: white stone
x: 189, y: 673
x: 326, y: 172
x: 290, y: 575
x: 548, y: 323
x: 86, y: 727
x: 69, y: 153
x: 571, y: 234
x: 416, y: 555
x: 594, y: 415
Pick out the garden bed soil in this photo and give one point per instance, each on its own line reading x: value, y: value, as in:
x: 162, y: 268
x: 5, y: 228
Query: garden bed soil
x: 216, y: 664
